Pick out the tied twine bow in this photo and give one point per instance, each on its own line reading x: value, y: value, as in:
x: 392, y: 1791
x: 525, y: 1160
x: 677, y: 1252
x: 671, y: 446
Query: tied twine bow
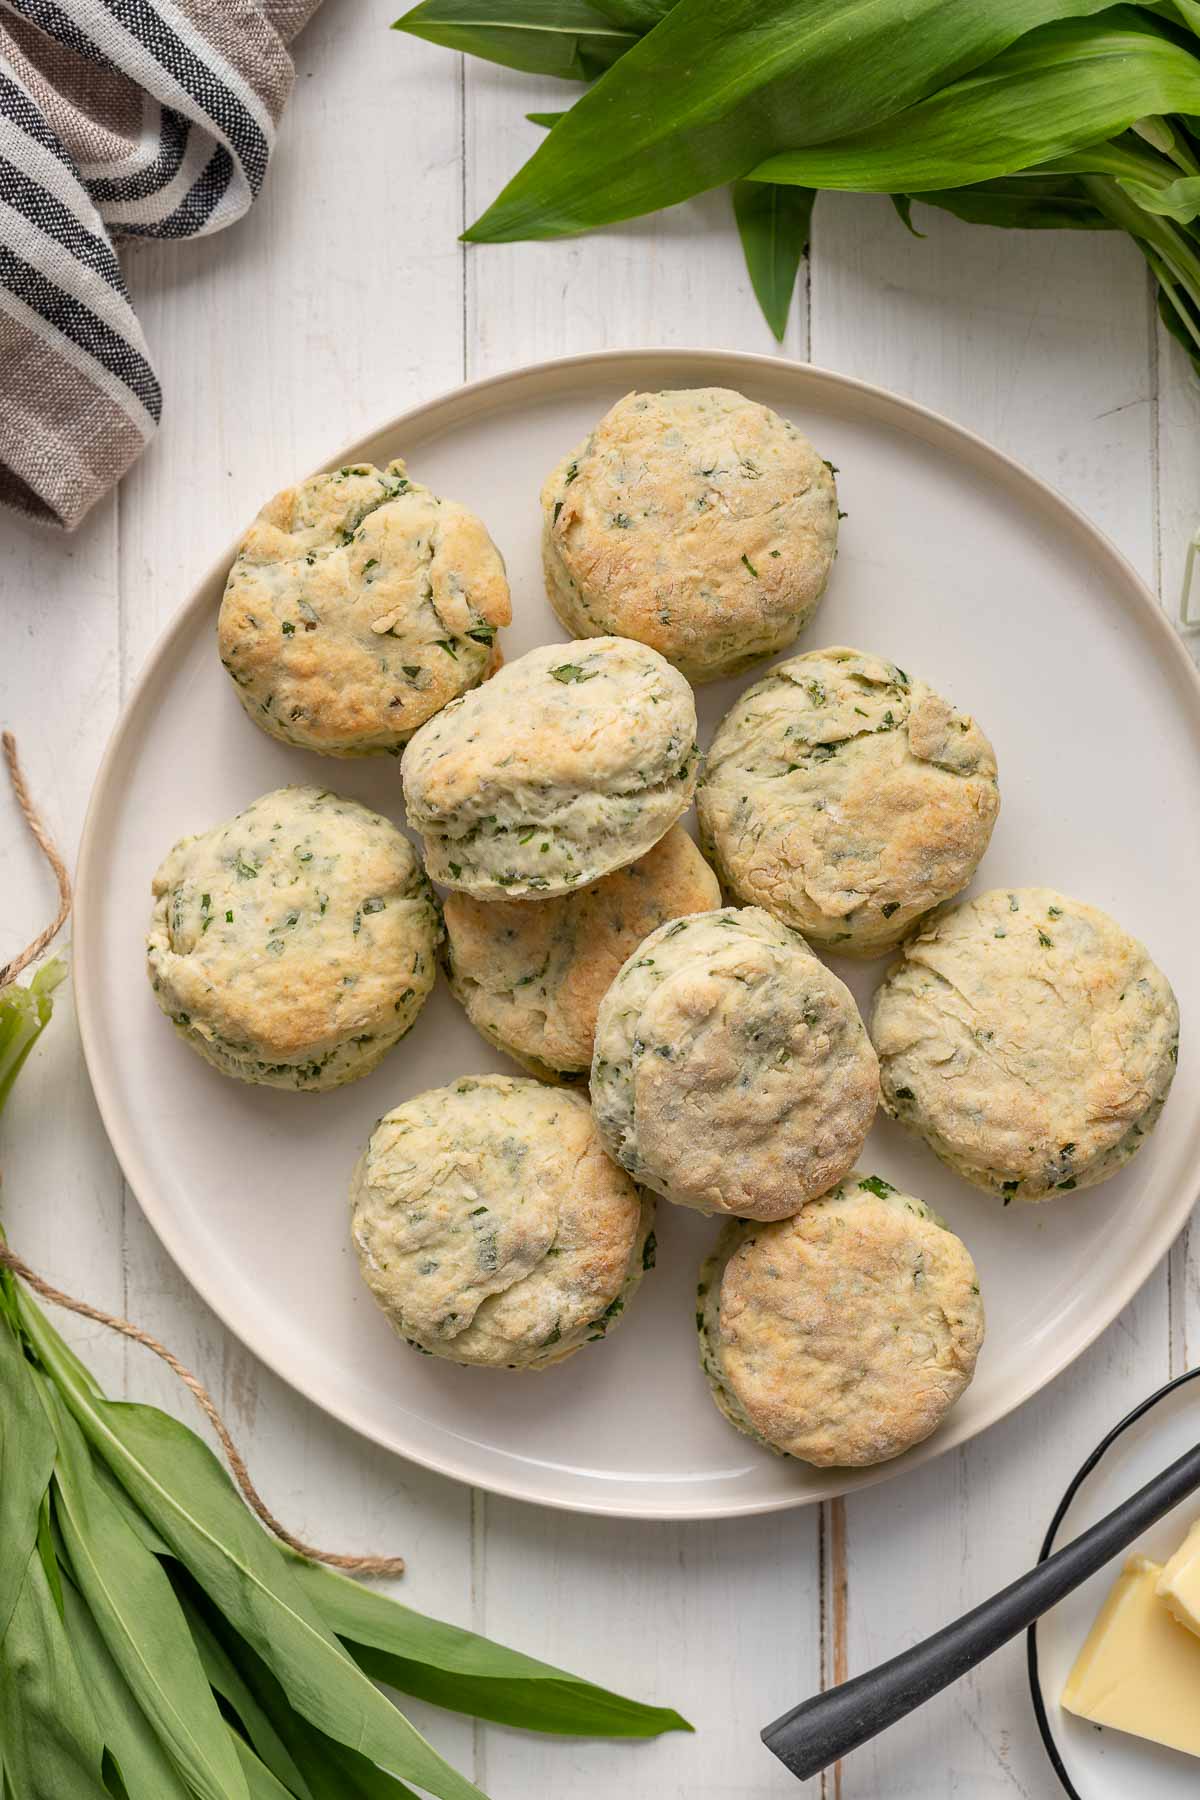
x: 355, y: 1565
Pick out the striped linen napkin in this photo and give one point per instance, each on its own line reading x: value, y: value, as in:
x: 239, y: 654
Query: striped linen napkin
x: 118, y: 118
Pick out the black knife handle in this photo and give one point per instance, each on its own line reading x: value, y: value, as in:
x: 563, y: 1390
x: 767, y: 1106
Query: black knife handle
x: 819, y: 1731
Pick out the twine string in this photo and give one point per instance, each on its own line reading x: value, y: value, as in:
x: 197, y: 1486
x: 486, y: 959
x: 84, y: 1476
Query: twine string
x: 45, y: 843
x: 355, y: 1565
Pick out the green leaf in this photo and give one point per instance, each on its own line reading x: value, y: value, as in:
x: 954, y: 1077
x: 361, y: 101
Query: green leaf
x: 259, y: 1779
x: 48, y: 1553
x: 27, y: 1449
x: 1026, y: 202
x: 634, y: 15
x: 225, y: 1677
x: 546, y: 120
x: 456, y: 1669
x: 715, y: 89
x: 138, y: 1618
x: 147, y: 1772
x: 52, y: 1744
x: 332, y: 1771
x: 774, y: 224
x: 903, y: 206
x: 1178, y: 200
x: 187, y: 1496
x: 567, y: 38
x: 24, y: 1014
x: 1068, y: 84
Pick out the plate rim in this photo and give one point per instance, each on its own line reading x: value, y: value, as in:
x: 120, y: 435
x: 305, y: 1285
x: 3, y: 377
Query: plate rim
x: 582, y: 366
x: 1090, y: 1462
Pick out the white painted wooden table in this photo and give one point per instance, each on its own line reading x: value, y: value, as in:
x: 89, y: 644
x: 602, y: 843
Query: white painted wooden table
x: 344, y: 299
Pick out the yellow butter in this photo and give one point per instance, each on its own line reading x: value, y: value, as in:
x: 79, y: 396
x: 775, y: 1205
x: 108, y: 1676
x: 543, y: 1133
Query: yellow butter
x: 1139, y: 1670
x: 1179, y: 1583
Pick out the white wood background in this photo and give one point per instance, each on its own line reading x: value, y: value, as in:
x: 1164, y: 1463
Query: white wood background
x: 342, y: 300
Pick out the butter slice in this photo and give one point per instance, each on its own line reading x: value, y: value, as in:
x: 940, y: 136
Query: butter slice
x: 1139, y: 1670
x: 1179, y: 1583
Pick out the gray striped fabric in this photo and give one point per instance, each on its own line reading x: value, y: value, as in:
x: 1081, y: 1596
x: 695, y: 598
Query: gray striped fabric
x: 118, y: 118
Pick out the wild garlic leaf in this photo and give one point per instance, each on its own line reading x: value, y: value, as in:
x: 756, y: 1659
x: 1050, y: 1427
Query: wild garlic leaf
x: 179, y: 1484
x: 1069, y: 83
x: 332, y: 1771
x: 774, y: 223
x: 146, y: 1770
x: 713, y: 90
x: 635, y: 15
x: 27, y: 1447
x: 226, y: 1679
x: 1022, y: 203
x: 139, y: 1620
x: 456, y: 1669
x: 1178, y: 200
x: 53, y: 1749
x: 567, y: 38
x: 259, y: 1779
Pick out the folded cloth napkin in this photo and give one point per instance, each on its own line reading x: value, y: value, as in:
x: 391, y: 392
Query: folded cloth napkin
x: 118, y: 118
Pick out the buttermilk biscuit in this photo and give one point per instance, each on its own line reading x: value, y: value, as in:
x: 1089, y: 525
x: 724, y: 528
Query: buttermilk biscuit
x: 731, y: 1071
x: 843, y: 1335
x: 571, y: 762
x: 358, y: 606
x: 531, y: 973
x: 846, y: 799
x: 696, y: 521
x: 491, y: 1227
x: 1029, y: 1040
x: 294, y: 945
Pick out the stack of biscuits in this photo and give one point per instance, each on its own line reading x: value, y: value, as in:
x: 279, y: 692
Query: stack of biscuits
x: 680, y: 1035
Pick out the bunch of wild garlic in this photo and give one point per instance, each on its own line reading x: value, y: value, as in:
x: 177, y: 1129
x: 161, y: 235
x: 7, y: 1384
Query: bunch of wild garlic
x: 157, y: 1644
x: 1032, y: 113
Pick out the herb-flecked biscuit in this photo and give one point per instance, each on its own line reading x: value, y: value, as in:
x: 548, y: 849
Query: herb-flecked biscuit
x: 846, y: 799
x: 531, y: 973
x: 296, y: 944
x: 491, y: 1227
x: 696, y: 521
x: 841, y: 1336
x: 572, y: 761
x: 1029, y: 1040
x: 731, y: 1071
x: 359, y: 604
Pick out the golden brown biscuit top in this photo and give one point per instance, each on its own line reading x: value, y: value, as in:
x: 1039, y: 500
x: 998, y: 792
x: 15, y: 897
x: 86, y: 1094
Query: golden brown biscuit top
x: 359, y: 604
x: 1028, y: 1031
x: 488, y: 1218
x: 847, y: 798
x: 692, y: 516
x: 531, y: 973
x: 301, y: 923
x: 847, y: 1331
x: 732, y: 1071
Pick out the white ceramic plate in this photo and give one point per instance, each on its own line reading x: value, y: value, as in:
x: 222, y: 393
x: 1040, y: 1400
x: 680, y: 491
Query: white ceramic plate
x: 954, y: 562
x: 1091, y: 1763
